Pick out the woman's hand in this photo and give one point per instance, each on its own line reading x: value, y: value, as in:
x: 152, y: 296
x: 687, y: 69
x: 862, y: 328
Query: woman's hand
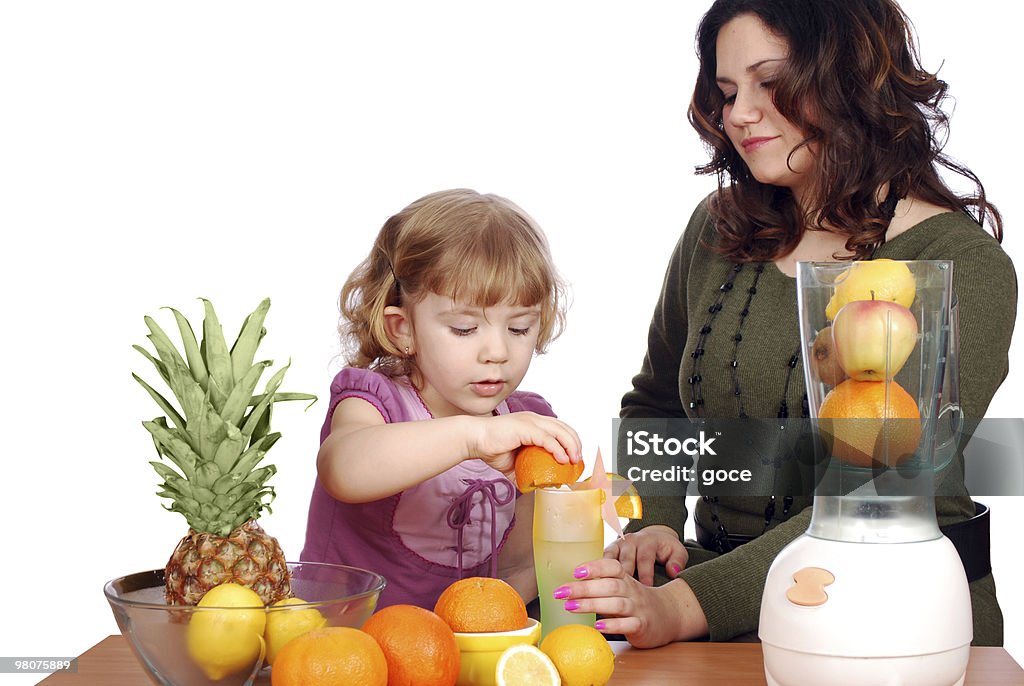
x: 495, y: 440
x: 648, y: 616
x: 637, y: 552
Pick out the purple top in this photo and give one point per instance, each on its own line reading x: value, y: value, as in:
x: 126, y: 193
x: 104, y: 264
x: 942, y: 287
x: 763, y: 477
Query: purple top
x: 422, y: 539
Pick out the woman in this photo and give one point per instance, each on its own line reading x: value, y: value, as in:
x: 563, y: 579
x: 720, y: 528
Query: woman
x: 825, y: 135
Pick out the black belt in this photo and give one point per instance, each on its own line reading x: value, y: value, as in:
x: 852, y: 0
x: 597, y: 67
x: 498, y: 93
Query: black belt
x: 971, y: 538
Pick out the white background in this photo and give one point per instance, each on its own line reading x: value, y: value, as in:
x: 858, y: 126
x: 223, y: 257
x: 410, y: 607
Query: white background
x: 154, y: 153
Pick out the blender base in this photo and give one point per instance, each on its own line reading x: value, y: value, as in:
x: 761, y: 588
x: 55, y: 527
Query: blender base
x: 918, y: 670
x: 896, y: 614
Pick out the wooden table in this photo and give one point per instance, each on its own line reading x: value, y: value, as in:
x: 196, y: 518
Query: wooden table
x: 111, y: 663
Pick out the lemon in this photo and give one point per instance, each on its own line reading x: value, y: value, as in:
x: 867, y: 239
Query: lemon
x: 581, y: 654
x: 525, y: 665
x: 284, y: 625
x: 882, y: 279
x: 228, y: 637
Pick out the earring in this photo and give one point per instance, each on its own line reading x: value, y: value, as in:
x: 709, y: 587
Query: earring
x: 407, y: 351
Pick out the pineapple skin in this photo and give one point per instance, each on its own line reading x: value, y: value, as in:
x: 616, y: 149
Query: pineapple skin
x: 248, y: 556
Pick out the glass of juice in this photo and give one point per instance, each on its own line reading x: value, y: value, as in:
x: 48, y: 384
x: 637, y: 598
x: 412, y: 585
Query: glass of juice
x: 567, y: 531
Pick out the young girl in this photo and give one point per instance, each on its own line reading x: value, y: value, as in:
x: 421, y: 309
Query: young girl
x: 444, y: 316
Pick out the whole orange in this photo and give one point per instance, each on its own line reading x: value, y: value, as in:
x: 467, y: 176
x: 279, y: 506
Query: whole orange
x: 419, y: 646
x: 328, y: 656
x: 537, y: 468
x: 481, y: 604
x: 870, y: 422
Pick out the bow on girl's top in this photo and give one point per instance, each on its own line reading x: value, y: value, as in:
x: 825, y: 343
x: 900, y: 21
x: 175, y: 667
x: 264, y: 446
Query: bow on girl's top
x: 459, y: 512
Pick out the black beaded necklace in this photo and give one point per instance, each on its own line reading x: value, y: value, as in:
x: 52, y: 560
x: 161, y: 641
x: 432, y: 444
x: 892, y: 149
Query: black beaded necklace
x: 720, y: 541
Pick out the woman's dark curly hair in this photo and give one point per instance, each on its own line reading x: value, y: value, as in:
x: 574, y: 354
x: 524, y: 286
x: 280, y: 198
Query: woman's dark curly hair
x: 854, y: 84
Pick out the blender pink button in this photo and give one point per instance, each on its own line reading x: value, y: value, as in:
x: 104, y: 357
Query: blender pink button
x: 808, y: 589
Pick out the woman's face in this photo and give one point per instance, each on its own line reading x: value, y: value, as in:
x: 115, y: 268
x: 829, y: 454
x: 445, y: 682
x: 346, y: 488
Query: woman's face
x: 749, y: 56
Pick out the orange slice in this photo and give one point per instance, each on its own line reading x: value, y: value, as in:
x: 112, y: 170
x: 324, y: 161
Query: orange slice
x: 628, y: 504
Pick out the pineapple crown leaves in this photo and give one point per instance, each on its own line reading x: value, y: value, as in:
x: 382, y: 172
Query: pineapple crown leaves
x: 219, y: 432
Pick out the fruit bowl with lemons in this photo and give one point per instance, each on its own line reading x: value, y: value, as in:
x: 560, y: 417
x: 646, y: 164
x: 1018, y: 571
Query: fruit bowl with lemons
x: 230, y: 636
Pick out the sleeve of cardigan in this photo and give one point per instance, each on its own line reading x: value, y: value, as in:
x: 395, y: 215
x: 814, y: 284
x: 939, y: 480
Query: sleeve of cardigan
x: 655, y: 392
x: 729, y: 587
x: 986, y: 288
x: 985, y: 285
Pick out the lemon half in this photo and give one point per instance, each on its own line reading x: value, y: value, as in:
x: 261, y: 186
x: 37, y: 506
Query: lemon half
x: 525, y: 665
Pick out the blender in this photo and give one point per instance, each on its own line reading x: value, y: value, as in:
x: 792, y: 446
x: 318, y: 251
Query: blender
x: 872, y: 592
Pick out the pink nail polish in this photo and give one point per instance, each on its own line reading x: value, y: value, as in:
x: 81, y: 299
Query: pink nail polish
x: 599, y: 626
x: 580, y: 572
x: 561, y: 593
x: 571, y: 605
x: 675, y: 569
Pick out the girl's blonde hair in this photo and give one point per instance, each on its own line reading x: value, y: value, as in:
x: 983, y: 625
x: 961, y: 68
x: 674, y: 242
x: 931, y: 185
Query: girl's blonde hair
x: 479, y: 249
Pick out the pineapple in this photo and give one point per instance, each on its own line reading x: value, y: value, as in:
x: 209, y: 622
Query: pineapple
x: 216, y: 442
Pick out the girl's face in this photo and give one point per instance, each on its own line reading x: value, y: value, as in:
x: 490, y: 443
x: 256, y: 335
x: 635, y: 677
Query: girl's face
x: 749, y: 56
x: 469, y: 359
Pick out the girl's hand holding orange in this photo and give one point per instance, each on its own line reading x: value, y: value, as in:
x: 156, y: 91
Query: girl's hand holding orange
x: 637, y: 552
x: 538, y: 468
x: 495, y: 440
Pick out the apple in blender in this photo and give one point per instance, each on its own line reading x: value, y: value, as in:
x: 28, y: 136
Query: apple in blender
x: 823, y: 358
x: 869, y: 333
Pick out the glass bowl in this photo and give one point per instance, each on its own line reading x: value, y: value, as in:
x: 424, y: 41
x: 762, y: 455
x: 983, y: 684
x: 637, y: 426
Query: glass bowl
x: 160, y: 635
x: 480, y: 652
